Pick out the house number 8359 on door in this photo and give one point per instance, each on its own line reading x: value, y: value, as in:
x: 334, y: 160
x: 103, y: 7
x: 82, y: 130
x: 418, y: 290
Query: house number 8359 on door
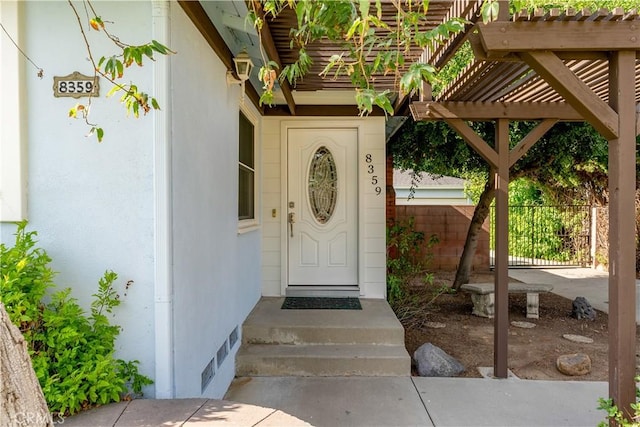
x: 371, y: 170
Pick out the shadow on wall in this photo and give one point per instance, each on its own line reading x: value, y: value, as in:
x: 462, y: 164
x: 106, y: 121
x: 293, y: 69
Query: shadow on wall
x: 450, y: 224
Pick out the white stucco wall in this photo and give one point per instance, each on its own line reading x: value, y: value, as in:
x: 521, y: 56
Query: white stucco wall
x: 371, y: 206
x: 216, y: 273
x: 91, y: 203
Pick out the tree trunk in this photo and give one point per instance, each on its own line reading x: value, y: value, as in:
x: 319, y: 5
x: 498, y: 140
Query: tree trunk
x: 21, y: 400
x: 480, y: 214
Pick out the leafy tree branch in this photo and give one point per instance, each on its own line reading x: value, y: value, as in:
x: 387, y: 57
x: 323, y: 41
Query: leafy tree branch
x: 370, y: 46
x: 112, y: 69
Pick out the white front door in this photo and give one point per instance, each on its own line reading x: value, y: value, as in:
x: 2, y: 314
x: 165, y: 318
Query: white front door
x: 322, y: 207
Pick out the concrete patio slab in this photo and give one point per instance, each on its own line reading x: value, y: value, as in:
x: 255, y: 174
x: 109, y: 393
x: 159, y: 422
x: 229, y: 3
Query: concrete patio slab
x: 511, y: 402
x: 279, y: 419
x: 152, y: 412
x: 337, y: 401
x: 216, y: 412
x: 104, y: 416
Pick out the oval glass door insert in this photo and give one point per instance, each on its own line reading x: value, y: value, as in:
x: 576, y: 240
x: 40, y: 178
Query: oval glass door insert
x: 323, y: 185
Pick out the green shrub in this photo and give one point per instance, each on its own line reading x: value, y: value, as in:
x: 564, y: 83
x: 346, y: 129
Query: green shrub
x: 616, y: 415
x: 72, y: 353
x: 408, y: 255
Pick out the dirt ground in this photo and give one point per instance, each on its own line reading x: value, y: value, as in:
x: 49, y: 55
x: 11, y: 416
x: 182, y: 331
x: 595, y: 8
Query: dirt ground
x: 532, y: 352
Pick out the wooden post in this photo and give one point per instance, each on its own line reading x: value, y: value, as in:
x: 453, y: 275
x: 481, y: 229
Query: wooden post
x: 501, y: 320
x: 622, y: 261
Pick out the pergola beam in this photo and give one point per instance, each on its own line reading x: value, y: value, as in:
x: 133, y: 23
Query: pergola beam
x: 477, y: 143
x: 320, y: 110
x: 607, y: 36
x: 575, y: 91
x: 493, y: 110
x: 528, y: 141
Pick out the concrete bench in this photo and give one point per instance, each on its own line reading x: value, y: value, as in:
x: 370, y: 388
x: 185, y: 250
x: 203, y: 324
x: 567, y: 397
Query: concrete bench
x: 483, y: 297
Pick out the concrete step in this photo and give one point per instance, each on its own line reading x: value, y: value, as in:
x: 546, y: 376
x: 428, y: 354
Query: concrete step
x: 321, y: 334
x: 367, y: 342
x: 374, y: 324
x: 322, y: 360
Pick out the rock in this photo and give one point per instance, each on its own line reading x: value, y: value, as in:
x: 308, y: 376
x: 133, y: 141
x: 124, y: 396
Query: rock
x: 578, y: 338
x: 432, y: 361
x: 434, y: 325
x: 582, y: 309
x: 524, y: 325
x: 574, y: 364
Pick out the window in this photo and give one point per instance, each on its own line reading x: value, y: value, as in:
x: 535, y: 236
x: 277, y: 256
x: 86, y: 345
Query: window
x: 246, y: 185
x: 13, y: 153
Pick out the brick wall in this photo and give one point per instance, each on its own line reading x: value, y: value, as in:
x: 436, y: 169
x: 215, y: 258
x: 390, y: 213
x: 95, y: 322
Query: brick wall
x: 390, y: 191
x: 450, y: 224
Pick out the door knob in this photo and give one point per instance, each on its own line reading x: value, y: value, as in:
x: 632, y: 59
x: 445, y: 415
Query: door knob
x: 291, y: 219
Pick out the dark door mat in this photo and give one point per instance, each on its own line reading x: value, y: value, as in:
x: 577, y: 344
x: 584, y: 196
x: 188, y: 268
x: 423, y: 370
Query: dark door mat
x: 321, y: 303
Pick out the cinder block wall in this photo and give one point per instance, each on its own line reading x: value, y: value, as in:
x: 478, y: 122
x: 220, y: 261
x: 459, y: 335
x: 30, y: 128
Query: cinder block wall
x: 450, y: 224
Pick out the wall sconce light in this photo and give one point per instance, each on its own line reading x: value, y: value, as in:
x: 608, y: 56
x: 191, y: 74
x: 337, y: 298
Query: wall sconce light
x: 243, y: 70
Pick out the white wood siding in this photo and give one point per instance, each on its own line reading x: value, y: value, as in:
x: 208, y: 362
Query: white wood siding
x: 371, y: 221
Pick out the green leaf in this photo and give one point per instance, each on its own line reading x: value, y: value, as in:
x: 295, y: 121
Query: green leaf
x: 364, y: 8
x: 154, y: 104
x: 148, y: 51
x: 300, y: 12
x: 490, y: 11
x: 160, y: 48
x: 119, y: 68
x: 113, y: 90
x: 354, y: 27
x: 99, y: 134
x: 126, y: 54
x: 137, y: 56
x: 383, y: 101
x: 495, y: 8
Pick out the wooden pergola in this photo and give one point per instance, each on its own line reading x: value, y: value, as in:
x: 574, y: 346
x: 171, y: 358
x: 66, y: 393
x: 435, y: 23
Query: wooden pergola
x: 550, y: 67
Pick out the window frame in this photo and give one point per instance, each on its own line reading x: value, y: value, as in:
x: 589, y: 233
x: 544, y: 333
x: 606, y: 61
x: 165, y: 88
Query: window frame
x: 249, y: 224
x: 13, y: 142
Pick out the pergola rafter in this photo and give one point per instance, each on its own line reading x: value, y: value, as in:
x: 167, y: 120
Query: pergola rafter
x: 559, y: 67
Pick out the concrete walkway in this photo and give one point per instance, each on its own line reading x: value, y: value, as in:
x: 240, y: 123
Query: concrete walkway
x: 368, y: 402
x: 574, y: 282
x: 181, y: 412
x: 387, y: 401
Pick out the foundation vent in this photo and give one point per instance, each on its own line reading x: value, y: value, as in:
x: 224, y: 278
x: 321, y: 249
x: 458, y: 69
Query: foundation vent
x: 206, y: 375
x: 222, y: 353
x: 233, y: 337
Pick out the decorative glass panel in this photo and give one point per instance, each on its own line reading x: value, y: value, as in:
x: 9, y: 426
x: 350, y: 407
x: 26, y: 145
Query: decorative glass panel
x: 323, y: 185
